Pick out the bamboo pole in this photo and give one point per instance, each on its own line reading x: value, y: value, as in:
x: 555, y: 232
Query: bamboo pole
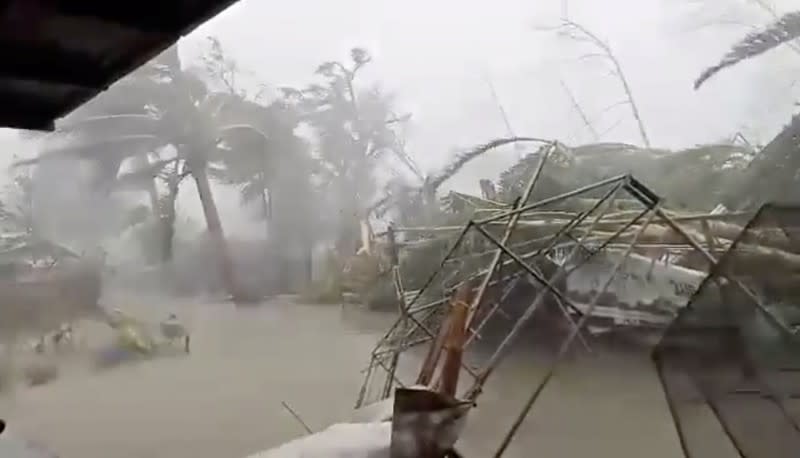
x: 454, y: 348
x: 434, y: 351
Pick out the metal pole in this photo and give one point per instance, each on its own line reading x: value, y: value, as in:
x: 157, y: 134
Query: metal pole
x: 560, y: 273
x: 530, y: 270
x: 554, y: 199
x: 659, y: 364
x: 562, y: 351
x: 786, y: 332
x: 427, y: 283
x: 394, y: 260
x: 712, y: 404
x: 509, y: 231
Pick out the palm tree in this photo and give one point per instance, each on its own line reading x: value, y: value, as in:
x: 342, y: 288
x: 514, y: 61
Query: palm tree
x: 354, y: 133
x: 273, y: 167
x: 167, y: 106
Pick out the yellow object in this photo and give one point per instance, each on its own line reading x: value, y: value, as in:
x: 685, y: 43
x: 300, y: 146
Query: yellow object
x: 132, y: 337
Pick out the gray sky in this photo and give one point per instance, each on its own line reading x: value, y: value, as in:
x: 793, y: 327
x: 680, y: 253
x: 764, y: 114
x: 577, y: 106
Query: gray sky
x: 433, y: 54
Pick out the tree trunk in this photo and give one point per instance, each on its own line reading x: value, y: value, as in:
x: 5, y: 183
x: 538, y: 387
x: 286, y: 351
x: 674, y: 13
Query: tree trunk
x: 266, y: 208
x: 308, y: 261
x: 277, y: 236
x: 215, y: 232
x: 167, y: 225
x: 153, y: 195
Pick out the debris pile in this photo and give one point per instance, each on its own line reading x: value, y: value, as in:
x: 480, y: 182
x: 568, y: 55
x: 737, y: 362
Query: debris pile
x: 610, y: 256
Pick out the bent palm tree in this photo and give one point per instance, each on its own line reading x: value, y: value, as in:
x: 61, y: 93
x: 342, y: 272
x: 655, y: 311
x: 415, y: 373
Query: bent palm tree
x: 176, y: 109
x: 272, y: 166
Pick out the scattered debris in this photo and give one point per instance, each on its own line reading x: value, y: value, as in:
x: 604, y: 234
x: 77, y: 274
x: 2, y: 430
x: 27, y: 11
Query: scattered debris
x: 424, y: 424
x: 40, y: 372
x: 297, y: 417
x: 579, y: 257
x: 173, y: 331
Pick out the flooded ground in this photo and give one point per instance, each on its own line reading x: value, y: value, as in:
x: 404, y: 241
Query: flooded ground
x: 224, y: 400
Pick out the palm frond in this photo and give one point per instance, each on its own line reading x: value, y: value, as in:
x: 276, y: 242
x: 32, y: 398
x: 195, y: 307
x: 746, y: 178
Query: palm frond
x: 97, y: 149
x: 132, y: 121
x: 462, y: 159
x: 227, y: 132
x: 142, y: 178
x: 89, y: 130
x: 785, y: 29
x: 221, y: 174
x: 251, y: 191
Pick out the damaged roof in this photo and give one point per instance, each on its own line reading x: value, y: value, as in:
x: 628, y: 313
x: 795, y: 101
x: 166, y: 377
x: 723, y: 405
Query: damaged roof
x: 57, y: 54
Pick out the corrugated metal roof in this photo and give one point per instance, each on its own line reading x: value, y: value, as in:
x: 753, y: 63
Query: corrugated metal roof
x: 57, y: 54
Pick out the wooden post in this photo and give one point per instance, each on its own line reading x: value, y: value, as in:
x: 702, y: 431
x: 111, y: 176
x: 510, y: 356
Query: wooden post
x: 431, y: 361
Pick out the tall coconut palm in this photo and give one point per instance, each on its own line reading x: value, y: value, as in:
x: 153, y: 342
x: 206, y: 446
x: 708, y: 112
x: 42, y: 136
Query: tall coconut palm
x: 174, y: 108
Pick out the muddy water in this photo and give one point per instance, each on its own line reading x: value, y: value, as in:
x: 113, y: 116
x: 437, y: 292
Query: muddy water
x: 224, y: 400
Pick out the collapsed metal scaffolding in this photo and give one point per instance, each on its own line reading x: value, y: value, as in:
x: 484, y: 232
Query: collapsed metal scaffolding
x: 734, y: 350
x: 554, y: 258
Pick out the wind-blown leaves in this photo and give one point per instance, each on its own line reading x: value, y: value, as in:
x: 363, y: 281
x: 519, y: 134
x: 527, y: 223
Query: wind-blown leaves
x: 785, y: 29
x: 354, y: 137
x: 140, y: 179
x: 96, y: 149
x: 108, y: 126
x: 252, y: 191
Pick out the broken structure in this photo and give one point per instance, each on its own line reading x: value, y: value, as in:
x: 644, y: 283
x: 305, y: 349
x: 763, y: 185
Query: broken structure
x: 622, y: 261
x: 731, y: 360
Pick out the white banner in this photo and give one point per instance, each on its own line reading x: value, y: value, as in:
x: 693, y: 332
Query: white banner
x: 641, y: 291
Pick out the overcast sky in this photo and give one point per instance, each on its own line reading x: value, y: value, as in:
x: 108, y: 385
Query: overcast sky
x: 434, y: 55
